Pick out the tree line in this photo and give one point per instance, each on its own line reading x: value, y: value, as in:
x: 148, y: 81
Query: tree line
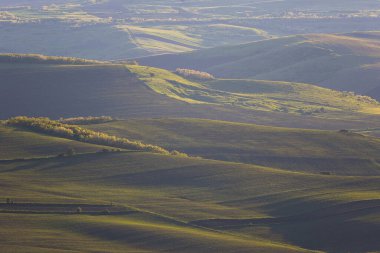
x: 59, y: 129
x: 37, y: 58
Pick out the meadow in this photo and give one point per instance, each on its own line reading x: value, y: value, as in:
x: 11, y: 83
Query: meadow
x: 180, y: 204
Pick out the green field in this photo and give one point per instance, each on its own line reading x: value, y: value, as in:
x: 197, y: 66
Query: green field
x: 194, y: 126
x: 174, y: 202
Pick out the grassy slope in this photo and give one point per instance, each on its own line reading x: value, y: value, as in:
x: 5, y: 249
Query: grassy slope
x: 17, y: 143
x: 170, y: 195
x: 108, y: 89
x: 70, y: 90
x: 300, y: 150
x: 256, y: 95
x: 334, y: 61
x: 168, y: 192
x: 86, y: 234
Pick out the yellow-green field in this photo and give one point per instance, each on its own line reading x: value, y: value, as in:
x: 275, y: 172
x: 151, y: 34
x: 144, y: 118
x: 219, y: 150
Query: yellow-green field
x: 257, y: 94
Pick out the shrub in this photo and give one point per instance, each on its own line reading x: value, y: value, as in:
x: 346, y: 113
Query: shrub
x: 86, y: 120
x: 177, y: 153
x: 195, y: 74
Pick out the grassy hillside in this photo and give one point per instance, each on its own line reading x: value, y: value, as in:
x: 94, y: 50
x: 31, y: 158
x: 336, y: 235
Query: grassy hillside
x: 77, y: 90
x: 59, y: 129
x: 347, y: 62
x: 60, y: 88
x: 298, y: 150
x: 257, y: 95
x: 17, y: 143
x: 169, y: 196
x: 140, y: 201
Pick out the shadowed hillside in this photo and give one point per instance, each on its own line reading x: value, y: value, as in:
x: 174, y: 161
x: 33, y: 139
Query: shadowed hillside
x: 68, y: 90
x: 327, y: 152
x: 171, y: 195
x: 347, y: 62
x: 140, y: 201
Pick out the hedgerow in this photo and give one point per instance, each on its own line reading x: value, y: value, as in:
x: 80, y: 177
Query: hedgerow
x: 59, y: 129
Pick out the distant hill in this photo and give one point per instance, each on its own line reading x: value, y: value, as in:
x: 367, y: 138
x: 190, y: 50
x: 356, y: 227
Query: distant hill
x: 347, y: 62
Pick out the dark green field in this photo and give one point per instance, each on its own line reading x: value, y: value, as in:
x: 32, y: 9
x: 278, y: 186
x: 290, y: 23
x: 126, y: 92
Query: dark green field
x: 170, y: 204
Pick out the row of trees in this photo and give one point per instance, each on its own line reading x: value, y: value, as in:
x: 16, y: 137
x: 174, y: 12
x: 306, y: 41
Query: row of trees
x: 86, y: 120
x: 56, y: 128
x: 194, y: 74
x: 37, y: 58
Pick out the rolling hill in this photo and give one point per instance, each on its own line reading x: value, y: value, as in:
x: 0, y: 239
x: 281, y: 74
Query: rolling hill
x: 189, y: 126
x: 172, y: 204
x: 346, y: 62
x: 60, y: 87
x: 311, y: 151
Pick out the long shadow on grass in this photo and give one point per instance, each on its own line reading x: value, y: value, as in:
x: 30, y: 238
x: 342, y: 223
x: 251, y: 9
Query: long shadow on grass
x: 338, y: 228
